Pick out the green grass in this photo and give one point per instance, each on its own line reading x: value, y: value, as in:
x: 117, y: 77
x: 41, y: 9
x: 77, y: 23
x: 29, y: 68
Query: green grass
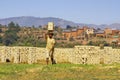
x: 60, y: 71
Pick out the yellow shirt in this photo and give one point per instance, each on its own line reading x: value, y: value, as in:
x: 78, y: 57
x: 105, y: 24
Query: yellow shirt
x: 50, y: 43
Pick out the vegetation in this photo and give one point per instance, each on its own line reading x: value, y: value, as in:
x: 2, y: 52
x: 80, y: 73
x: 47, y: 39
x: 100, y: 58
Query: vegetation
x: 97, y: 43
x: 60, y: 71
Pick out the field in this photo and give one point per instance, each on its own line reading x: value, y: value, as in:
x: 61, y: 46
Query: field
x: 60, y: 71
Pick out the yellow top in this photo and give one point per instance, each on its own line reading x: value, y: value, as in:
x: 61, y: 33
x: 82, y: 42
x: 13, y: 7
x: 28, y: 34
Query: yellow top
x: 50, y: 43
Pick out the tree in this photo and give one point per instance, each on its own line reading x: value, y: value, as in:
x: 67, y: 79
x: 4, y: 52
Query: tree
x: 17, y: 27
x: 10, y: 36
x: 0, y: 30
x: 58, y: 29
x: 90, y: 43
x: 13, y: 27
x: 33, y: 26
x: 0, y: 25
x: 68, y: 27
x: 40, y: 26
x: 98, y: 29
x: 71, y: 39
x: 0, y: 39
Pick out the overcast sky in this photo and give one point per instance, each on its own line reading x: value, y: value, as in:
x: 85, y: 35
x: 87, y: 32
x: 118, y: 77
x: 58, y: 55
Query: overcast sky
x: 79, y: 11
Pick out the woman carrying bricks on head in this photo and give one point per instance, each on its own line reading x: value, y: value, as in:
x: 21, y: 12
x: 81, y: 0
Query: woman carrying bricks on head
x: 50, y: 47
x: 50, y: 43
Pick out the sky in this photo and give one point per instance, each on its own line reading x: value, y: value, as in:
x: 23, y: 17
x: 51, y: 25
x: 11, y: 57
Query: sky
x: 79, y: 11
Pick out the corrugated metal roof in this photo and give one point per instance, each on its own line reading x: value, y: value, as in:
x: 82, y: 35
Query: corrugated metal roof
x: 66, y: 31
x: 99, y: 32
x: 74, y: 29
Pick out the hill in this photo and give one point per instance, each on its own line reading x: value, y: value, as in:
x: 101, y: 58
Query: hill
x: 37, y: 21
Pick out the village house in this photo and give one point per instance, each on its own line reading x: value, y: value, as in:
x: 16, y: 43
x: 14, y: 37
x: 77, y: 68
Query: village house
x: 67, y: 34
x: 78, y: 33
x: 100, y: 33
x: 115, y: 32
x: 115, y: 36
x: 90, y: 31
x: 108, y: 32
x: 74, y: 33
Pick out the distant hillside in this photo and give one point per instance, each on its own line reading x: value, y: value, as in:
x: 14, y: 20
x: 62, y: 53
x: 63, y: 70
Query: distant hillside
x: 36, y: 21
x: 30, y: 21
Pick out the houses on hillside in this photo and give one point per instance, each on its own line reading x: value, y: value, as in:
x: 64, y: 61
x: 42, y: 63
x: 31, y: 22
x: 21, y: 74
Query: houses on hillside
x: 86, y: 33
x: 79, y: 33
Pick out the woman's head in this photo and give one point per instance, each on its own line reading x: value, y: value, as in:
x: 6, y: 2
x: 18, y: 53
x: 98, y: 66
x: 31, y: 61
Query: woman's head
x: 50, y: 35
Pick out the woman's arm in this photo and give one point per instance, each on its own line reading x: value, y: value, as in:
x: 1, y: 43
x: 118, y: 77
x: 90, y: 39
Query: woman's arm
x: 46, y: 36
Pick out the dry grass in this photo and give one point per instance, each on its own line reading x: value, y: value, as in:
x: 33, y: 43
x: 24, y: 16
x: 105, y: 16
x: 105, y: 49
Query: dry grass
x: 62, y: 71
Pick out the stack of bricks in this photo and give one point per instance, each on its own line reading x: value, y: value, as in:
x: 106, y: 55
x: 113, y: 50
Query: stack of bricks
x: 3, y: 54
x: 94, y: 55
x: 76, y: 55
x: 32, y: 55
x: 40, y: 54
x: 16, y: 53
x: 63, y: 54
x: 23, y: 57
